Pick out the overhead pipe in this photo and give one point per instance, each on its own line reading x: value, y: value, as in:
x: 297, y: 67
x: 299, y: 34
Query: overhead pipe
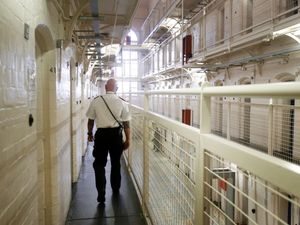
x: 99, y: 17
x: 75, y: 18
x: 60, y: 9
x: 96, y: 23
x: 115, y: 23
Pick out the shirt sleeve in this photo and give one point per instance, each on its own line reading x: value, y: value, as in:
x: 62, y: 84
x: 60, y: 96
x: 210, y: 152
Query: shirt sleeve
x: 125, y: 115
x: 91, y: 111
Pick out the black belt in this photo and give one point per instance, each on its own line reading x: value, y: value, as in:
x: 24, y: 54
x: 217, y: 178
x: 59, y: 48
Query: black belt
x: 108, y: 128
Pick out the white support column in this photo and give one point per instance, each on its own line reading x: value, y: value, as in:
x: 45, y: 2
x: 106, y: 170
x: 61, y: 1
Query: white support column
x: 129, y: 152
x: 228, y: 119
x: 230, y: 27
x: 203, y: 33
x: 205, y: 127
x: 145, y: 196
x: 272, y: 12
x: 270, y: 128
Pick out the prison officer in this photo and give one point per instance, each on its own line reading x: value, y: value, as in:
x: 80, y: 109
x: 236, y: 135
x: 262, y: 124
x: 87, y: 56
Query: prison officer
x: 111, y: 115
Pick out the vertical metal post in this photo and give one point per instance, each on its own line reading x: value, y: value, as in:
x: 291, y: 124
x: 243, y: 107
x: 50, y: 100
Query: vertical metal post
x: 272, y: 12
x: 129, y: 152
x: 230, y: 27
x: 228, y: 119
x: 270, y: 126
x: 203, y: 33
x: 145, y: 196
x: 205, y: 127
x: 73, y: 161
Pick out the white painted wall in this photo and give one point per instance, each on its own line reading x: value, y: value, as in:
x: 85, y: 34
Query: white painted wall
x: 36, y: 162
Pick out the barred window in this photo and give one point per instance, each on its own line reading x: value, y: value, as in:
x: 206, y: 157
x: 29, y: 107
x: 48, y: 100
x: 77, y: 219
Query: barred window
x: 290, y: 4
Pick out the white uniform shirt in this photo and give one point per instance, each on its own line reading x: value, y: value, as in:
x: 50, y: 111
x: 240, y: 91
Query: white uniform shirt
x: 99, y: 112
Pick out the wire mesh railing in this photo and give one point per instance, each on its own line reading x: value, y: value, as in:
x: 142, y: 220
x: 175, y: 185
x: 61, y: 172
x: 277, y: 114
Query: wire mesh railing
x: 180, y: 108
x: 243, y: 120
x: 249, y: 123
x: 135, y: 155
x: 219, y: 112
x: 271, y: 128
x: 211, y: 175
x: 286, y: 135
x: 235, y: 196
x: 171, y: 176
x: 134, y: 99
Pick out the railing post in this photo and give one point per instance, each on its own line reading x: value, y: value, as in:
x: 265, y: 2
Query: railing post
x: 130, y: 152
x: 230, y: 25
x: 202, y: 33
x: 228, y: 120
x: 272, y: 12
x: 205, y: 127
x: 270, y: 126
x: 145, y: 197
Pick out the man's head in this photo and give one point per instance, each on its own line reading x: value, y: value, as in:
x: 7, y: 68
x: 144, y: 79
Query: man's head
x: 111, y: 85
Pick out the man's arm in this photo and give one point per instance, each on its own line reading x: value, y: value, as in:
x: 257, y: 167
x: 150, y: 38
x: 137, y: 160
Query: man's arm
x: 127, y: 134
x: 90, y: 126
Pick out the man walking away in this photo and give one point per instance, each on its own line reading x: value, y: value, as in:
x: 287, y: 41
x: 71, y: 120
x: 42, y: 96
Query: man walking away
x: 111, y: 115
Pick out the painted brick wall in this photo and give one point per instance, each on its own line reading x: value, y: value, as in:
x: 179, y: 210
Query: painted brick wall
x: 35, y: 161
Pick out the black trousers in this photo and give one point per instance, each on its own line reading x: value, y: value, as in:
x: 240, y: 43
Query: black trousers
x: 107, y: 140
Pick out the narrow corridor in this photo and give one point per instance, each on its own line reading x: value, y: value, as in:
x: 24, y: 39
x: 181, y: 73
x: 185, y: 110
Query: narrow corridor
x: 123, y: 209
x: 213, y: 89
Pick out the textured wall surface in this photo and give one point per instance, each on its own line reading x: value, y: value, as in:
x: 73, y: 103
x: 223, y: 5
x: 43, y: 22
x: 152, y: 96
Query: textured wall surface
x: 38, y: 163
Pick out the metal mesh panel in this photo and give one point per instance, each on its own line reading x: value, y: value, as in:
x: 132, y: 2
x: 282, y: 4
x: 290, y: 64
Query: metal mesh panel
x: 136, y: 149
x: 291, y: 4
x: 249, y: 123
x: 195, y: 107
x: 172, y: 105
x: 219, y: 112
x: 175, y: 107
x: 288, y: 8
x: 286, y: 135
x: 235, y: 196
x: 137, y: 100
x: 164, y: 105
x: 171, y: 177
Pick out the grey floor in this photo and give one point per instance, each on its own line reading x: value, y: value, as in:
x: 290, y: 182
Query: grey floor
x: 118, y: 210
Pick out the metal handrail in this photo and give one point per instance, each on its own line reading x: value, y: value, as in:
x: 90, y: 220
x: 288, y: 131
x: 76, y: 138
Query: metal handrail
x: 286, y: 89
x: 274, y: 172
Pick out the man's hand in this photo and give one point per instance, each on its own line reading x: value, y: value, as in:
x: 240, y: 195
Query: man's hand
x: 90, y: 126
x: 127, y: 135
x: 90, y: 137
x: 126, y: 145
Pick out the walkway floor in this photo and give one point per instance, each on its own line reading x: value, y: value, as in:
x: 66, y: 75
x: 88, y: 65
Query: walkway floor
x: 121, y: 210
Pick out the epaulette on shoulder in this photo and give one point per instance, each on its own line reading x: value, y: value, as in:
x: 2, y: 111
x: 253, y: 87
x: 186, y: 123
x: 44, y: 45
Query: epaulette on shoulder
x: 122, y: 99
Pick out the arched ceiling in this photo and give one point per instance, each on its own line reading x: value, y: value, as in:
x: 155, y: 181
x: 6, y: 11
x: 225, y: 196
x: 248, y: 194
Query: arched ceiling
x: 95, y: 24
